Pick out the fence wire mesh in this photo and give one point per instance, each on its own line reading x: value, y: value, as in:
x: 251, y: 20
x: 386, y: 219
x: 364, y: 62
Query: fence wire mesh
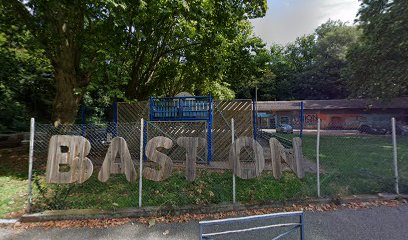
x: 402, y: 150
x: 132, y: 112
x: 352, y: 161
x: 116, y: 192
x: 174, y: 130
x: 224, y: 111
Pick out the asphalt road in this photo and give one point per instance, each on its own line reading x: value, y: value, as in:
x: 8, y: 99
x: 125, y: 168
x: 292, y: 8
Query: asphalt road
x: 376, y: 223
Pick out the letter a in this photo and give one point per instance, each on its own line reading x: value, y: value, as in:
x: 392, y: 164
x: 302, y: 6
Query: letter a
x: 109, y: 166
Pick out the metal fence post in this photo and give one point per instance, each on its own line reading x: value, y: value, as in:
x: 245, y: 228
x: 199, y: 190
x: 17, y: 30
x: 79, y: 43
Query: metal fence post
x: 394, y: 144
x: 30, y: 164
x: 141, y: 161
x: 145, y: 137
x: 302, y: 119
x: 151, y: 115
x: 302, y: 226
x: 201, y: 232
x: 254, y: 117
x: 115, y: 119
x: 318, y: 157
x: 209, y: 130
x: 233, y: 174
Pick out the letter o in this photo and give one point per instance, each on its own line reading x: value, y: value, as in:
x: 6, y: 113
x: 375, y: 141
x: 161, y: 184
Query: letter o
x: 245, y: 172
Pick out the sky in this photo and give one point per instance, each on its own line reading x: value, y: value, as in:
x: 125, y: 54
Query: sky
x: 287, y: 19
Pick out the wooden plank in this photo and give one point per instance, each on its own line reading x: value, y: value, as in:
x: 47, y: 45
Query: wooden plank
x: 298, y: 157
x: 245, y: 171
x: 125, y: 164
x: 164, y: 161
x: 191, y: 144
x: 67, y: 161
x: 294, y: 157
x: 276, y: 153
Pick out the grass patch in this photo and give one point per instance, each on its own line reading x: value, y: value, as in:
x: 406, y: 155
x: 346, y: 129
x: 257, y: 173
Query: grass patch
x: 350, y: 164
x: 13, y: 181
x: 357, y: 164
x: 209, y: 188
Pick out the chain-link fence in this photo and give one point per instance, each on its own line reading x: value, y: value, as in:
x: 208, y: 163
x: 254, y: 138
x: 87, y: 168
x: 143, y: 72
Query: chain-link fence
x: 402, y: 157
x: 132, y: 112
x: 117, y: 192
x: 359, y: 160
x: 352, y: 161
x: 355, y: 157
x: 175, y: 130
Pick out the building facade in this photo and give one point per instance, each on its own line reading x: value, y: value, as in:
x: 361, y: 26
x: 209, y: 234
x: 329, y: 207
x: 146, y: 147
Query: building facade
x: 345, y: 114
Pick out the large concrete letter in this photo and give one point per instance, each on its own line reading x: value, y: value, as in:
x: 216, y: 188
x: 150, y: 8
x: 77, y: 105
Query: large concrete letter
x: 164, y: 161
x: 246, y: 172
x: 67, y: 161
x: 124, y: 165
x: 276, y: 156
x: 191, y: 144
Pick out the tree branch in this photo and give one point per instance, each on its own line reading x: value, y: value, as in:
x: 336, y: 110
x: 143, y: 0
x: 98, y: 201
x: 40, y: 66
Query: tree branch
x: 22, y: 12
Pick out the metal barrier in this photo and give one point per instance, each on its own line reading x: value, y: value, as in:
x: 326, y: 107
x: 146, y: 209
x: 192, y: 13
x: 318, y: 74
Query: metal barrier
x: 197, y: 108
x: 180, y: 108
x: 294, y: 226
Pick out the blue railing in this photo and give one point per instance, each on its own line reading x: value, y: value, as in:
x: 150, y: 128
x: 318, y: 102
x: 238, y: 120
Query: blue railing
x: 192, y: 108
x: 180, y: 108
x: 293, y: 226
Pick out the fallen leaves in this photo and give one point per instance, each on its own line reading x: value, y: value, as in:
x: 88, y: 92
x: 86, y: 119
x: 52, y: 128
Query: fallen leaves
x: 151, y: 221
x: 91, y: 223
x: 295, y: 207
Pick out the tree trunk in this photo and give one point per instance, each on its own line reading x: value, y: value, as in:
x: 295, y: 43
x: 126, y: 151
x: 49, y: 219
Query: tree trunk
x: 67, y: 98
x: 59, y: 27
x: 137, y: 87
x: 71, y: 81
x: 133, y: 86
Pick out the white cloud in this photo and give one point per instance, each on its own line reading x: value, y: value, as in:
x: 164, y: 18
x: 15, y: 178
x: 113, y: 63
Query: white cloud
x: 288, y: 19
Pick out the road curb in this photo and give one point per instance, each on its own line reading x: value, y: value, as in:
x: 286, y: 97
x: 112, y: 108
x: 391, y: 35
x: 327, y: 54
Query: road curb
x: 8, y: 221
x: 85, y: 214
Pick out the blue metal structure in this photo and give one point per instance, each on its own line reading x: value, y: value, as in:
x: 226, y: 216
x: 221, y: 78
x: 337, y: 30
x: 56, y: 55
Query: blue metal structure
x: 233, y: 221
x: 190, y: 108
x: 83, y: 130
x: 194, y: 108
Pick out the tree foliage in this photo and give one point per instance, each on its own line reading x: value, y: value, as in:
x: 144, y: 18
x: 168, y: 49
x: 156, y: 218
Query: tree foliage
x: 59, y: 54
x: 121, y: 45
x: 26, y: 84
x: 312, y: 66
x: 378, y: 64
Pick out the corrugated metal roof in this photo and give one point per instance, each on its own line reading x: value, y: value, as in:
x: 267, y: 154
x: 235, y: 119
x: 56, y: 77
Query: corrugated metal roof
x: 401, y: 103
